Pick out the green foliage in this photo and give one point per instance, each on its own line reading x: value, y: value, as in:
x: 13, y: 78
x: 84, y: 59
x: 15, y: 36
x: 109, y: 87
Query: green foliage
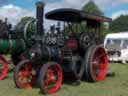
x: 91, y: 7
x: 105, y: 30
x: 20, y: 26
x: 25, y: 20
x: 120, y: 24
x: 76, y: 29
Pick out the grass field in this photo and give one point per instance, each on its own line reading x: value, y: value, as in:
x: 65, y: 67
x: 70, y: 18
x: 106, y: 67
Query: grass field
x: 111, y: 86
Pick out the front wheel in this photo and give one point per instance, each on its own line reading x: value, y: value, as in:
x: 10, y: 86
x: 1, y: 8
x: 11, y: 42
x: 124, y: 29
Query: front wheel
x: 24, y: 74
x: 50, y: 78
x: 3, y: 67
x: 96, y: 63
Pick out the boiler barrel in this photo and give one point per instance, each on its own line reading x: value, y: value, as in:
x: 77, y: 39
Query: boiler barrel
x: 10, y: 46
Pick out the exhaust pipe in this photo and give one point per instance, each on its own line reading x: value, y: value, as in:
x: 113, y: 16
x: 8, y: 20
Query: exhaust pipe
x: 39, y: 17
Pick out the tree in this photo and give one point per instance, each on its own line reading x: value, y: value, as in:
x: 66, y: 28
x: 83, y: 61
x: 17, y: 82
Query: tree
x: 120, y: 24
x: 20, y: 25
x: 19, y: 28
x: 91, y: 7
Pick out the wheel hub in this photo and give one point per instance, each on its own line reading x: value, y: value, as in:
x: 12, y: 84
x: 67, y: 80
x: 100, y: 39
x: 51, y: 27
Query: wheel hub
x: 25, y: 74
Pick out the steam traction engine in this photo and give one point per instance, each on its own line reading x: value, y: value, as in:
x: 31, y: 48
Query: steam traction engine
x: 63, y: 53
x: 10, y: 43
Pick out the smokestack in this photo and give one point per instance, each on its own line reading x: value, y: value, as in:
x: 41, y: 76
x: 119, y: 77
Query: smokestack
x: 39, y: 17
x: 6, y: 20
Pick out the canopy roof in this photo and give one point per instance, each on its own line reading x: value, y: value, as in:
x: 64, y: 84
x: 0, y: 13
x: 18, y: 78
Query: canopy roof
x: 74, y: 15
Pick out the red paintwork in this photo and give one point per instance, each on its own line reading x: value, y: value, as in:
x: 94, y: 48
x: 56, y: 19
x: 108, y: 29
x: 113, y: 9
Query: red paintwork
x: 24, y: 74
x: 4, y: 64
x: 53, y: 71
x: 99, y: 64
x: 72, y: 44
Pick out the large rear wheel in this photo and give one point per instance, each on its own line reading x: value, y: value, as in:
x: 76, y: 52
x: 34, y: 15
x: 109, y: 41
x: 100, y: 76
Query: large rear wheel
x: 3, y: 67
x: 96, y: 64
x: 50, y: 78
x: 24, y: 74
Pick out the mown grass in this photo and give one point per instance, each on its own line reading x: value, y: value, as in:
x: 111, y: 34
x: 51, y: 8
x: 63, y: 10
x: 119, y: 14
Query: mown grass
x: 111, y: 86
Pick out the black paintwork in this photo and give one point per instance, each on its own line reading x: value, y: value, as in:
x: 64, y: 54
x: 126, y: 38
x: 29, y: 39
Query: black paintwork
x: 74, y: 15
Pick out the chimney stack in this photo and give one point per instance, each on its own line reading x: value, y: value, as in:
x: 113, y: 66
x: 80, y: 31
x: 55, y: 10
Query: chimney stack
x: 39, y: 17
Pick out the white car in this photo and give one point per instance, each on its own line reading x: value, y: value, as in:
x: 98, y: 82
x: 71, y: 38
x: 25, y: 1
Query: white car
x: 116, y: 45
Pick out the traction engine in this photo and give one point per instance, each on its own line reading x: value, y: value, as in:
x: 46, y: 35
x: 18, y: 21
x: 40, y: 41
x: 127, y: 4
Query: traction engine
x: 10, y: 43
x: 55, y: 55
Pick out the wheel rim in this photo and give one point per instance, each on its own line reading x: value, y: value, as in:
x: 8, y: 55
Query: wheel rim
x: 53, y: 79
x: 26, y: 75
x: 99, y: 64
x: 3, y: 68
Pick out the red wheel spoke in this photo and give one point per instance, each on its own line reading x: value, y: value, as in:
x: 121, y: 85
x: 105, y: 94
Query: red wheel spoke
x: 102, y: 66
x: 99, y: 57
x: 24, y: 74
x: 25, y: 77
x: 96, y: 66
x: 52, y: 78
x: 27, y: 67
x: 99, y: 64
x: 3, y: 67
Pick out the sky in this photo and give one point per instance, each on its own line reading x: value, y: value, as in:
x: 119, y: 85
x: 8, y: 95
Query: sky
x: 14, y: 10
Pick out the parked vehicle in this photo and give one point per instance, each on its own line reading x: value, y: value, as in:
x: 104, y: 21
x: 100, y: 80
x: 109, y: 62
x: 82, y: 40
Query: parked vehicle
x: 10, y: 43
x: 67, y: 53
x: 116, y: 45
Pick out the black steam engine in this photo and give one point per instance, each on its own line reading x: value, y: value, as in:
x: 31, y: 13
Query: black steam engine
x: 57, y: 54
